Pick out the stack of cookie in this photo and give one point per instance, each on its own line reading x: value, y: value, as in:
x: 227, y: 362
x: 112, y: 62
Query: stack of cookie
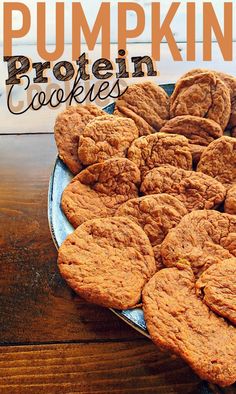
x: 147, y: 200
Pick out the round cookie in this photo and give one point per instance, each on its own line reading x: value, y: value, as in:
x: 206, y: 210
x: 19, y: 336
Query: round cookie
x: 99, y: 190
x: 157, y: 149
x: 203, y: 238
x: 203, y: 95
x: 67, y: 130
x: 195, y: 190
x: 217, y: 286
x: 199, y: 131
x: 219, y: 160
x: 107, y: 262
x: 230, y: 201
x: 180, y: 322
x: 106, y: 137
x: 147, y: 104
x: 230, y: 82
x: 156, y: 214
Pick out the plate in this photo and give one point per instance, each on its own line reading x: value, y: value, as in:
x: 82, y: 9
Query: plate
x: 60, y: 227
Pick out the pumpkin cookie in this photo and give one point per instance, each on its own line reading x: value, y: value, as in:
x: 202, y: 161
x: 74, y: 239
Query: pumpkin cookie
x: 157, y: 149
x: 230, y: 201
x: 200, y: 131
x: 99, y: 190
x: 203, y: 238
x: 67, y: 130
x: 203, y: 95
x: 230, y: 82
x: 106, y: 137
x: 194, y: 189
x: 179, y: 321
x: 156, y: 214
x: 219, y: 160
x: 147, y: 104
x: 217, y: 285
x: 107, y: 262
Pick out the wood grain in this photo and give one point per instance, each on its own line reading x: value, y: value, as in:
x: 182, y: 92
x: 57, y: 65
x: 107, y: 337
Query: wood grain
x: 136, y: 367
x: 102, y: 353
x: 36, y: 304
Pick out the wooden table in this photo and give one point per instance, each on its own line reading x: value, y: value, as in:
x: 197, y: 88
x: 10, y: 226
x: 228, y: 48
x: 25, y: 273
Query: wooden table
x: 51, y: 340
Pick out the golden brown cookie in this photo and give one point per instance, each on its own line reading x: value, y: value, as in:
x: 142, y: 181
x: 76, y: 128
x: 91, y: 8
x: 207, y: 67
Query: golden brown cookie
x: 156, y: 214
x: 230, y: 201
x: 179, y: 321
x: 194, y: 189
x: 147, y: 104
x: 107, y: 262
x: 230, y: 82
x: 157, y: 149
x: 203, y: 95
x: 99, y: 190
x: 219, y: 160
x: 217, y: 285
x: 106, y: 137
x: 68, y: 127
x: 203, y: 238
x: 200, y: 131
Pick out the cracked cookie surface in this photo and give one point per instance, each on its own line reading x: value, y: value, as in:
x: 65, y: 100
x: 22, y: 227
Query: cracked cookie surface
x: 158, y: 149
x: 67, y: 130
x: 106, y: 137
x: 219, y: 160
x: 203, y: 95
x: 230, y: 201
x: 217, y: 285
x: 107, y: 262
x: 156, y: 214
x: 99, y: 190
x: 179, y: 321
x: 230, y: 82
x: 199, y: 131
x: 203, y: 238
x: 147, y: 104
x: 194, y: 189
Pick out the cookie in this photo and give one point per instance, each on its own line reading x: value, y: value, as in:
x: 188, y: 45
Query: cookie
x: 217, y: 285
x: 203, y: 238
x: 194, y: 189
x: 147, y: 104
x: 67, y: 130
x: 156, y: 214
x: 230, y: 82
x: 106, y: 137
x: 157, y: 149
x: 180, y: 322
x: 203, y: 95
x: 99, y: 190
x: 199, y: 131
x: 219, y: 160
x: 230, y: 201
x: 107, y: 262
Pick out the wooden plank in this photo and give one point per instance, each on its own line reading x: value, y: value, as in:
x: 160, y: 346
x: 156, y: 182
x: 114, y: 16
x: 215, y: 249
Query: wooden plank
x: 137, y: 367
x: 36, y: 304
